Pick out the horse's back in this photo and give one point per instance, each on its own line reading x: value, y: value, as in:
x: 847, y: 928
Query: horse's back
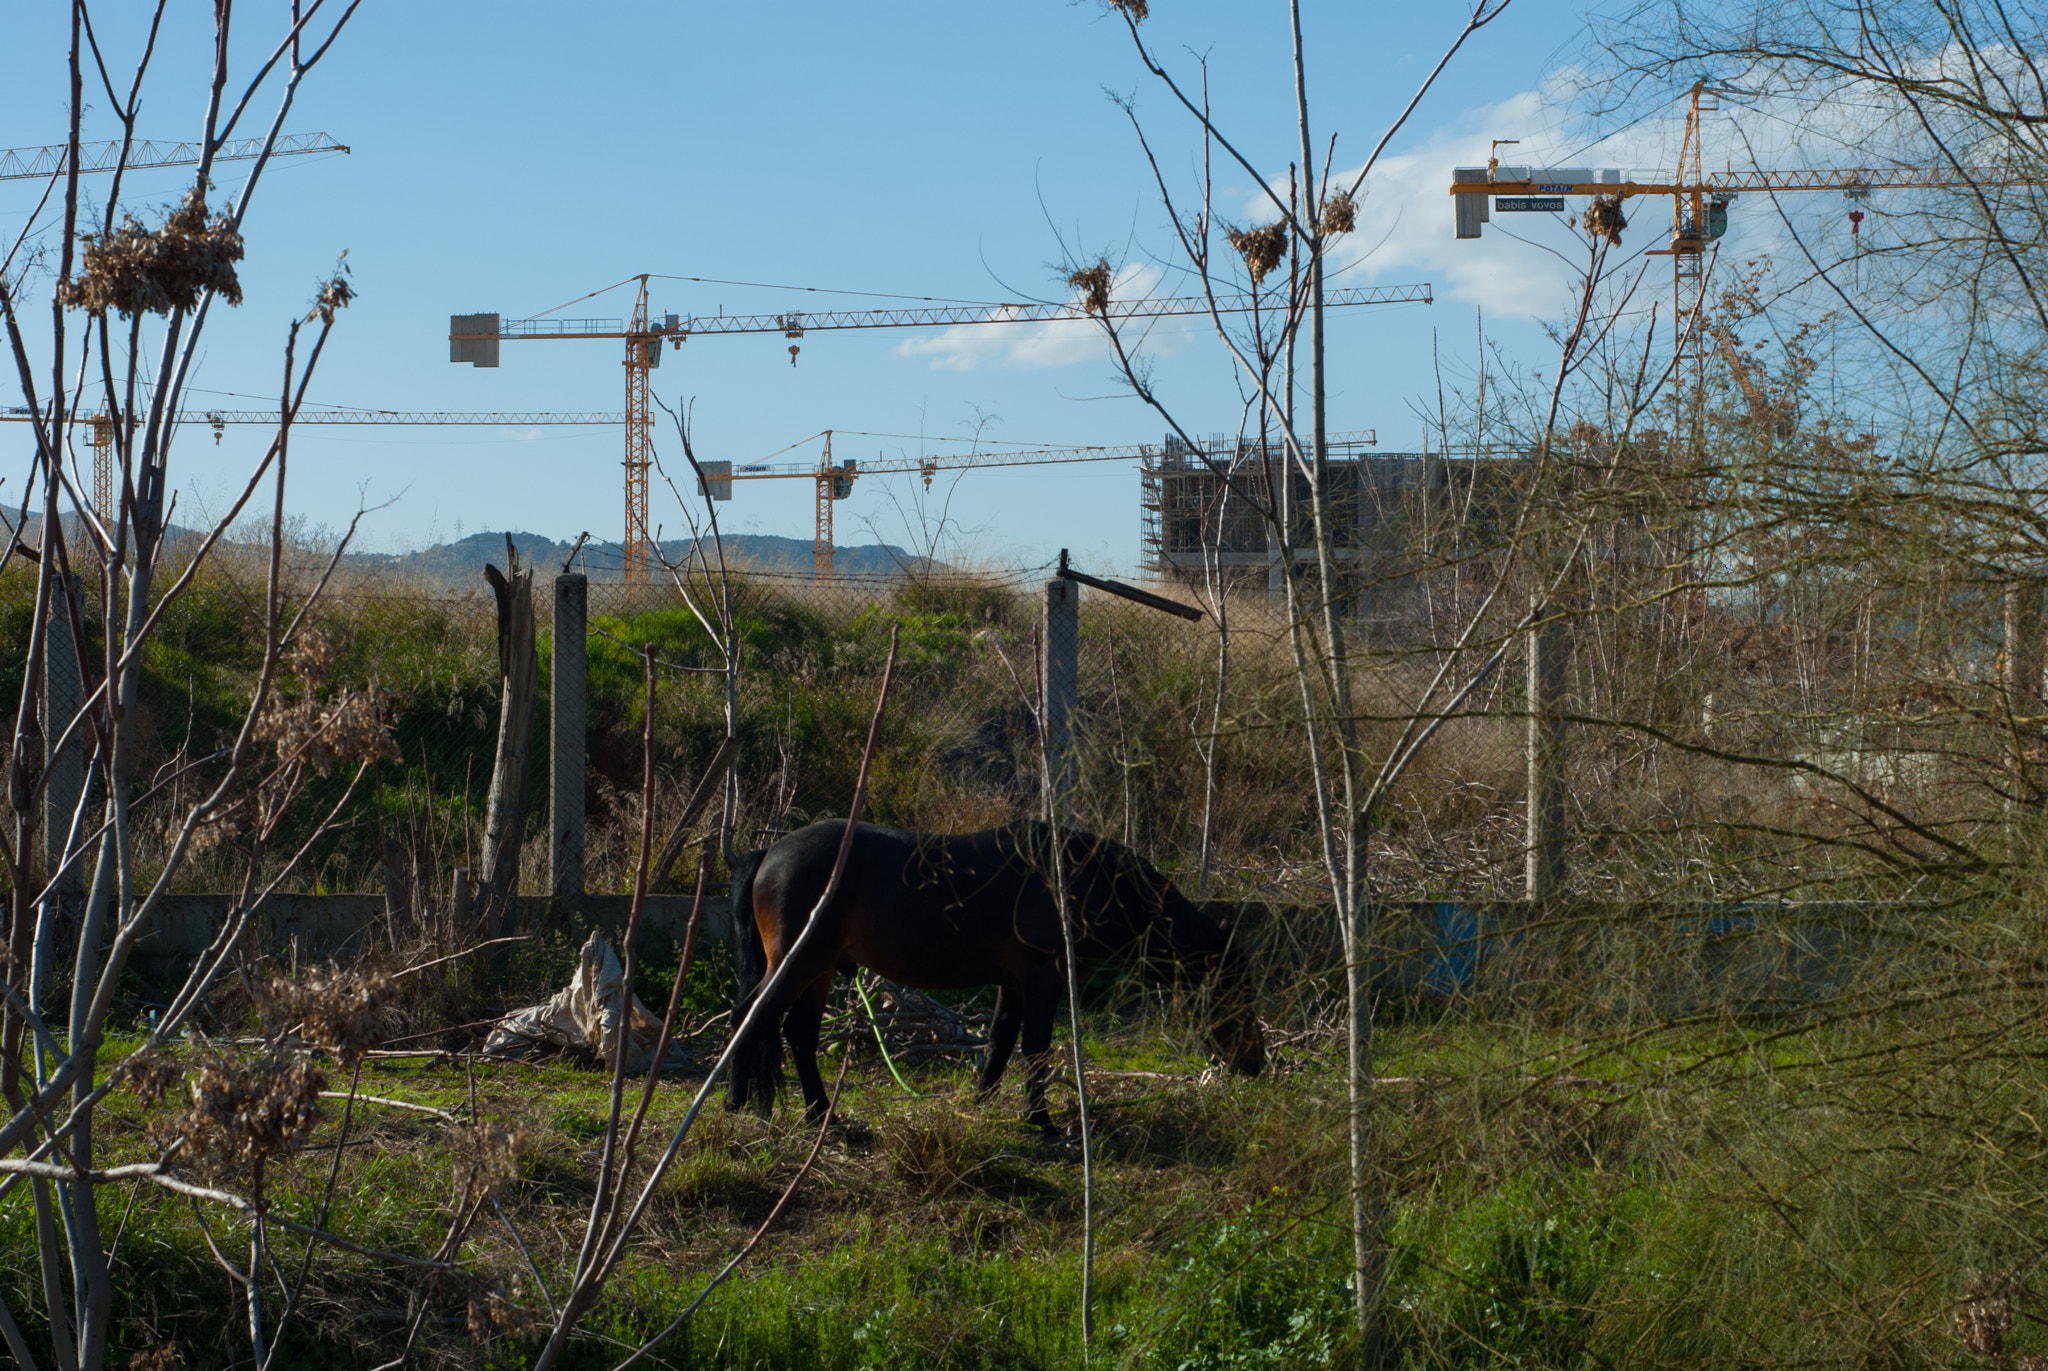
x: 936, y: 911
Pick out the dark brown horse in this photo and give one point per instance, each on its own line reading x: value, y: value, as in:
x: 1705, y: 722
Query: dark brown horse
x: 954, y: 912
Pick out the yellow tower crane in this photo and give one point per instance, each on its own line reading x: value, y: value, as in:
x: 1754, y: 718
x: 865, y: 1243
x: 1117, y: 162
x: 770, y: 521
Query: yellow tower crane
x: 475, y: 338
x: 836, y: 482
x: 1699, y: 214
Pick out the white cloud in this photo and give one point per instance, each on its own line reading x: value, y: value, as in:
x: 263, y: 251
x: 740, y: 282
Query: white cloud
x: 1055, y: 343
x: 1405, y: 230
x: 1405, y: 225
x: 1012, y: 347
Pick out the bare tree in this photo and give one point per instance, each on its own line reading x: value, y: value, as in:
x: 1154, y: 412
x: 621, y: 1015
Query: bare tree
x: 1357, y: 751
x: 127, y: 287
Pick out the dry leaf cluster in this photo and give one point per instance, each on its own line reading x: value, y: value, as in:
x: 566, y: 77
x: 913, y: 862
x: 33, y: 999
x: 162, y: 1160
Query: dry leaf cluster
x: 135, y: 271
x: 149, y: 1076
x: 499, y: 1314
x: 218, y: 830
x: 350, y: 726
x: 247, y: 1112
x: 1604, y: 219
x: 155, y: 1356
x: 488, y: 1158
x: 1092, y: 284
x: 1261, y: 248
x: 1138, y: 10
x: 334, y: 1009
x: 1340, y: 213
x: 1985, y: 1315
x: 335, y: 295
x: 312, y: 657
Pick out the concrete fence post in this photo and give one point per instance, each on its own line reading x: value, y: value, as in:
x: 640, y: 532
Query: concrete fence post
x: 63, y: 692
x: 63, y: 695
x: 1545, y: 866
x: 1058, y: 689
x: 495, y: 882
x: 567, y: 727
x: 2022, y: 683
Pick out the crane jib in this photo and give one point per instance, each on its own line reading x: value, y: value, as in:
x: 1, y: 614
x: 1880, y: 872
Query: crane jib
x: 794, y: 325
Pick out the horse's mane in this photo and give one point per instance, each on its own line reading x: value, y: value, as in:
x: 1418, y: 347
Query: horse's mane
x: 1123, y: 897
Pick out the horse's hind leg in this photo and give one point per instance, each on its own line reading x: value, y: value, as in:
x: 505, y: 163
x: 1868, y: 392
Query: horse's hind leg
x: 756, y: 1062
x: 756, y: 1065
x: 1041, y: 1000
x: 1002, y: 1038
x: 800, y: 1030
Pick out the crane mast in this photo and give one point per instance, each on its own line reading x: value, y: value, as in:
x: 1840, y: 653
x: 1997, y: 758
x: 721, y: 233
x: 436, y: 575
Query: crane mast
x: 1689, y: 234
x: 642, y: 354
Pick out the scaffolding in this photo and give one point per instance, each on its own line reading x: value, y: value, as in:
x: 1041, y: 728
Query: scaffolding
x: 1202, y: 504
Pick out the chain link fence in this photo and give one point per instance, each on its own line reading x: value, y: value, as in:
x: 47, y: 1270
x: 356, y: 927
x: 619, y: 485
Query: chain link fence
x: 1775, y: 738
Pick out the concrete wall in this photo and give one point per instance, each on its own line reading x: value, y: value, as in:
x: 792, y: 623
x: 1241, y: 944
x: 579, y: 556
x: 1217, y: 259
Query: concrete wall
x: 340, y: 926
x: 1661, y: 958
x: 1623, y: 958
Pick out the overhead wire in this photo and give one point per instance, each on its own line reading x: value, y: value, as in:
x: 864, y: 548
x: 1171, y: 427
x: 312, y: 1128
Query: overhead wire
x: 581, y: 298
x: 828, y: 290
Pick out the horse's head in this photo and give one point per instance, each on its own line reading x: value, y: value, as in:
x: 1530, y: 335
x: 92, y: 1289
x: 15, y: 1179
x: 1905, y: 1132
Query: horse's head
x: 1234, y: 1032
x: 1238, y: 1042
x: 1124, y: 900
x: 1205, y: 944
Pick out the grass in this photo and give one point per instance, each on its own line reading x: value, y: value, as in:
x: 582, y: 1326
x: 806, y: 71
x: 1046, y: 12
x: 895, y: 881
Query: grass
x: 1686, y: 1205
x: 1569, y: 1180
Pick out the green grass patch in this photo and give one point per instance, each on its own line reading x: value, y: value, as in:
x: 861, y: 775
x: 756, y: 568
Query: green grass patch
x: 1533, y: 1222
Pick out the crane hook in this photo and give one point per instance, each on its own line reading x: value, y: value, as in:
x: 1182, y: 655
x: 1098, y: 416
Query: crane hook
x: 793, y: 350
x: 1855, y: 223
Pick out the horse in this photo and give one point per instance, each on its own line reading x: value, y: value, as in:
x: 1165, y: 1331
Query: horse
x: 956, y: 912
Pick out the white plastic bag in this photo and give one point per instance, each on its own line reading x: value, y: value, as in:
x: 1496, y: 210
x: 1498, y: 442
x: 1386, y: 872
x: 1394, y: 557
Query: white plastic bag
x: 584, y: 1017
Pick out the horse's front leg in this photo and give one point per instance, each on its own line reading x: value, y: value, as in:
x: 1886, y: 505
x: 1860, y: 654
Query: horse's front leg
x: 1041, y: 1001
x: 800, y: 1031
x: 1002, y: 1038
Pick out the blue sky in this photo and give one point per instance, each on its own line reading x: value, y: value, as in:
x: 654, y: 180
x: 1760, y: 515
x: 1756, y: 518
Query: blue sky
x: 513, y: 157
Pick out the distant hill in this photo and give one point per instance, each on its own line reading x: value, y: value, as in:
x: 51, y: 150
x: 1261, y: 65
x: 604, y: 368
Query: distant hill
x: 463, y: 561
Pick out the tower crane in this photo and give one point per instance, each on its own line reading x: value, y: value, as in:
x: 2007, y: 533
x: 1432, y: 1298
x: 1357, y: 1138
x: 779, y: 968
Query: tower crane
x: 475, y: 338
x: 836, y: 482
x: 23, y: 164
x: 103, y: 493
x: 1699, y: 214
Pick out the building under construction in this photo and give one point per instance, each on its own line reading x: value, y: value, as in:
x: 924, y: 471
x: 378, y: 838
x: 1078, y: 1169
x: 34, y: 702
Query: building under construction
x: 1205, y: 505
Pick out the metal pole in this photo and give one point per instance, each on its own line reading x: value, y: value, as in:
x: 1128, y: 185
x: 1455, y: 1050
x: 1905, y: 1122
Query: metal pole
x: 1546, y: 799
x: 1060, y: 686
x: 567, y: 726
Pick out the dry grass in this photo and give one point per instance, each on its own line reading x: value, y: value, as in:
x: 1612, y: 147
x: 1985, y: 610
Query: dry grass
x: 1558, y: 1192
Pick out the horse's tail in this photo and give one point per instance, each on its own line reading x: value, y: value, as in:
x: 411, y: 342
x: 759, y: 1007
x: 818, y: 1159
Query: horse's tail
x: 757, y: 1061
